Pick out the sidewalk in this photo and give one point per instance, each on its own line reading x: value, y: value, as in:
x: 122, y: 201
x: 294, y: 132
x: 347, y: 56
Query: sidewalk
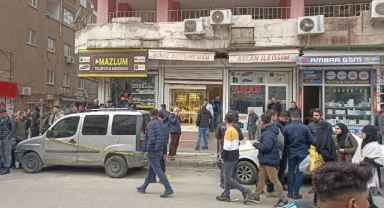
x: 189, y: 157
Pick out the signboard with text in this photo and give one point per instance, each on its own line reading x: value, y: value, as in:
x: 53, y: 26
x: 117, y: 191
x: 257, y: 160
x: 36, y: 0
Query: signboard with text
x: 247, y: 77
x: 312, y: 77
x: 112, y: 63
x: 261, y: 58
x: 181, y: 55
x: 337, y: 60
x: 347, y: 76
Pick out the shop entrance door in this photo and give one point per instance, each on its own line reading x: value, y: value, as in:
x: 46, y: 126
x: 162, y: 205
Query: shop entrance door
x: 312, y: 100
x: 212, y: 91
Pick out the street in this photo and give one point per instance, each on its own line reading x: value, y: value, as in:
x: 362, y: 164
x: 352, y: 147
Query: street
x: 65, y: 187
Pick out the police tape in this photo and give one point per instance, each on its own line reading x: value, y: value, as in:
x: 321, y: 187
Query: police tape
x: 144, y: 155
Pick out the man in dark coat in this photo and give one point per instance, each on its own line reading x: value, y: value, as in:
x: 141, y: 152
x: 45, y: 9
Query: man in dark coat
x: 252, y: 128
x: 7, y: 139
x: 166, y: 113
x: 35, y: 124
x: 166, y: 135
x: 202, y: 122
x: 274, y: 105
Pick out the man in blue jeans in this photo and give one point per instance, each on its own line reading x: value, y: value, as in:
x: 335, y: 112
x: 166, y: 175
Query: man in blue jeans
x: 298, y: 138
x: 202, y: 122
x: 156, y: 146
x: 216, y: 104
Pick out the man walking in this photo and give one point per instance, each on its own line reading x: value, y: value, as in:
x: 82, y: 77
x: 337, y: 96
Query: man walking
x: 216, y: 104
x: 274, y: 105
x: 20, y: 126
x: 155, y: 145
x: 35, y: 124
x: 229, y: 158
x: 298, y: 138
x: 166, y: 134
x: 219, y: 134
x: 202, y: 122
x: 175, y: 131
x: 252, y: 128
x: 7, y: 137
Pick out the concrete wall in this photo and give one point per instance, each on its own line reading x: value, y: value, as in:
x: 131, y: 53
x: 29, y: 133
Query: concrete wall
x: 267, y: 33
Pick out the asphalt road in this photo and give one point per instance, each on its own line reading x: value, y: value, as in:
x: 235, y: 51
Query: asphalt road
x: 67, y: 187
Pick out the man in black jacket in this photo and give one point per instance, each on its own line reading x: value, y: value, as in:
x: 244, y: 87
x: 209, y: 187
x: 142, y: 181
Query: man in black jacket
x: 274, y: 105
x: 202, y: 122
x: 35, y: 124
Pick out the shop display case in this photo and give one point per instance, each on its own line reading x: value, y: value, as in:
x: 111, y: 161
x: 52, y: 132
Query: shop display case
x: 348, y: 104
x: 143, y: 92
x: 189, y: 102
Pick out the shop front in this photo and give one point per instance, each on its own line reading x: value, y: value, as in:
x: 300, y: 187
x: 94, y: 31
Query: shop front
x: 8, y: 93
x: 343, y: 87
x: 257, y: 76
x: 121, y: 72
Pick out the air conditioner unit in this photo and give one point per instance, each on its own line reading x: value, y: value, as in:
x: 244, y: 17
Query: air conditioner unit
x: 25, y: 91
x: 70, y: 60
x: 311, y: 25
x: 61, y: 90
x: 221, y: 17
x: 377, y: 9
x: 193, y: 27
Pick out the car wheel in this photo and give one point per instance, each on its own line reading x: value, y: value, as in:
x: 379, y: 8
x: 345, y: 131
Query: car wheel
x: 246, y: 173
x: 31, y: 163
x: 116, y: 167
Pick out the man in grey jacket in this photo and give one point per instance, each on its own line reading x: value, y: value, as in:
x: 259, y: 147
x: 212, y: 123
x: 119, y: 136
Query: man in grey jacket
x: 7, y: 137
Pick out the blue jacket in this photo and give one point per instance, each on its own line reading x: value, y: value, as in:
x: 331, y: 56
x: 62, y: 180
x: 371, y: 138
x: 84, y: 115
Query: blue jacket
x: 269, y: 146
x: 166, y: 116
x: 155, y: 137
x: 216, y: 106
x: 7, y: 128
x: 298, y: 138
x: 174, y: 124
x: 254, y: 118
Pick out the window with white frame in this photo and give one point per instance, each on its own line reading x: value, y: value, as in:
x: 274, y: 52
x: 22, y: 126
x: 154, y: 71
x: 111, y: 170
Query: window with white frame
x: 80, y: 84
x: 83, y: 3
x: 32, y: 3
x: 92, y: 87
x: 67, y: 50
x: 66, y: 80
x: 50, y: 77
x: 51, y: 45
x: 31, y: 37
x: 67, y: 16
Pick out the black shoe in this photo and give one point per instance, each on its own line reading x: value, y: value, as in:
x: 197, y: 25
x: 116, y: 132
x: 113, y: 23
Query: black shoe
x: 222, y: 186
x: 5, y: 171
x: 223, y: 198
x: 198, y: 149
x: 1, y: 169
x: 285, y: 188
x: 140, y: 190
x: 312, y: 191
x: 297, y: 197
x: 204, y: 148
x: 281, y: 203
x: 246, y: 196
x: 255, y: 199
x: 290, y: 196
x: 166, y: 194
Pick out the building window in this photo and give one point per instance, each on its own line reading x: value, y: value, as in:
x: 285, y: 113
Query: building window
x: 50, y: 77
x: 52, y: 9
x: 32, y: 3
x: 66, y: 80
x: 92, y: 87
x: 51, y: 45
x: 31, y: 37
x: 83, y: 3
x: 67, y: 50
x: 67, y: 17
x: 80, y: 84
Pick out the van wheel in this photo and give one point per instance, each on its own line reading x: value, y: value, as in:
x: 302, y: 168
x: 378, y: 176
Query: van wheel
x: 246, y: 173
x: 116, y: 167
x: 31, y: 163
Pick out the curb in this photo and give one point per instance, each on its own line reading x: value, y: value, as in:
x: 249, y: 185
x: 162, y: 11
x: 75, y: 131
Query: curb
x: 192, y: 163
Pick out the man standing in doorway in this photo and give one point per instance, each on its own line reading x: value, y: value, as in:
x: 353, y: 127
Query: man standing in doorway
x: 216, y: 104
x: 35, y: 124
x: 175, y: 131
x: 7, y: 137
x: 252, y: 128
x: 274, y: 105
x: 202, y: 122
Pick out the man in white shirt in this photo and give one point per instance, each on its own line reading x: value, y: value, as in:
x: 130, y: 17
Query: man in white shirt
x: 210, y: 109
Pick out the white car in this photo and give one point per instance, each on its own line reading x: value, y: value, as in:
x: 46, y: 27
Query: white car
x: 248, y: 164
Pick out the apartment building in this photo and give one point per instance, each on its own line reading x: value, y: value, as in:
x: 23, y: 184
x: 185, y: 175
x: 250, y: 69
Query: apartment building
x: 37, y: 59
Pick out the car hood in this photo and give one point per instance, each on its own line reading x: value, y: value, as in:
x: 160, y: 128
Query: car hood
x: 246, y: 145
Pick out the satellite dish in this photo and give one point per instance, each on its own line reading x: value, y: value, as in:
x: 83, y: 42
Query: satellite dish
x: 190, y: 26
x: 307, y: 24
x: 217, y: 17
x: 380, y: 9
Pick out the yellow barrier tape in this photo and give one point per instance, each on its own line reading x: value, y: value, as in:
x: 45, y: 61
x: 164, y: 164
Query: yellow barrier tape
x: 144, y: 155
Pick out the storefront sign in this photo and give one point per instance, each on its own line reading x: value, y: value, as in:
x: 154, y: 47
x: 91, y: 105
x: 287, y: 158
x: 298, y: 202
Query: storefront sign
x: 112, y: 63
x: 247, y: 78
x: 314, y: 77
x: 337, y: 60
x: 277, y: 78
x: 347, y: 77
x: 7, y: 104
x: 247, y: 89
x: 181, y: 55
x: 267, y: 58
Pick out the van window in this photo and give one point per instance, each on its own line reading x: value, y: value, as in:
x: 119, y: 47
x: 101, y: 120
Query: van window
x: 124, y: 125
x: 95, y: 125
x: 65, y: 128
x: 146, y: 120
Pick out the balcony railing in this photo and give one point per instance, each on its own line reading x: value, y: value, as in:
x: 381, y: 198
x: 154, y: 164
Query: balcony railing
x: 346, y: 10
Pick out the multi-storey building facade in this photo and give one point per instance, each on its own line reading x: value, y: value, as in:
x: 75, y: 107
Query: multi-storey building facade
x: 321, y: 54
x: 37, y: 59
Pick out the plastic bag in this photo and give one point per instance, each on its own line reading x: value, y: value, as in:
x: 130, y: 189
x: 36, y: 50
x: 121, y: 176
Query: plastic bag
x: 304, y: 165
x: 315, y: 159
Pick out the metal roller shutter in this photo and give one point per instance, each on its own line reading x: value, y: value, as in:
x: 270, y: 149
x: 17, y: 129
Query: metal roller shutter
x: 194, y: 76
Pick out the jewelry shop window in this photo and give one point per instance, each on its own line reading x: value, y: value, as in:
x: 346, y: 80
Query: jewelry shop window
x: 189, y: 102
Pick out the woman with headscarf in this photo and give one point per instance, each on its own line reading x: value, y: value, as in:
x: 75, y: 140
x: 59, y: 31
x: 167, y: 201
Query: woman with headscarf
x: 325, y: 146
x: 370, y: 152
x: 345, y: 142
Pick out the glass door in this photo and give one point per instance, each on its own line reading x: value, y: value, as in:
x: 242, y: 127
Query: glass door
x: 281, y: 94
